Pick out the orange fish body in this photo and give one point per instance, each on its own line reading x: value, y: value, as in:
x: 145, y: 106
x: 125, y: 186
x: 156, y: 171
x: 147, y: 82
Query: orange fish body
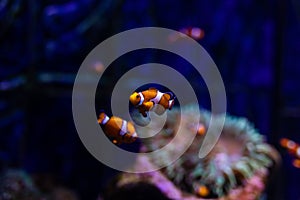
x: 117, y: 128
x: 145, y: 100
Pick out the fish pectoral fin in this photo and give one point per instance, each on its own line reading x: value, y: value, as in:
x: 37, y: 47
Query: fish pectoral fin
x: 149, y: 105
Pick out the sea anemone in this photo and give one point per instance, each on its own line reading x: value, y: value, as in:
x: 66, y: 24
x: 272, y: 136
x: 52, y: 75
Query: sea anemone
x: 238, y: 164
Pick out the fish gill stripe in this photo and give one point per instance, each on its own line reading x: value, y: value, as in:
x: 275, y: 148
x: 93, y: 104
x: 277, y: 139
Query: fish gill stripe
x: 142, y: 98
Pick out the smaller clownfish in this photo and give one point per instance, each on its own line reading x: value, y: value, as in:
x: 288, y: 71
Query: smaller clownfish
x: 120, y: 130
x: 145, y: 100
x: 293, y: 148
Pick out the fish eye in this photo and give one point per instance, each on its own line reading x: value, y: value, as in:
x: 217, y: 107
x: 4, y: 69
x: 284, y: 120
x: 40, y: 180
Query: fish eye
x: 137, y: 96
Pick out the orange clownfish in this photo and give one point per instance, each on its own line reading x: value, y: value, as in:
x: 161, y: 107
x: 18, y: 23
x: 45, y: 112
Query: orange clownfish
x: 117, y: 128
x: 293, y: 148
x: 145, y: 100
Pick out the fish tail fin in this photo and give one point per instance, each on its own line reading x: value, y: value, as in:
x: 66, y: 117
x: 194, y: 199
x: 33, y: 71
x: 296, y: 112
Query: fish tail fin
x: 171, y: 103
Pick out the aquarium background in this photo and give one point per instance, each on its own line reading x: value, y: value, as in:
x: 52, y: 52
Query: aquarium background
x: 255, y: 45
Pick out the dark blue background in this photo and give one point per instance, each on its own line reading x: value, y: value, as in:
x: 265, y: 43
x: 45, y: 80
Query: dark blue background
x: 255, y: 45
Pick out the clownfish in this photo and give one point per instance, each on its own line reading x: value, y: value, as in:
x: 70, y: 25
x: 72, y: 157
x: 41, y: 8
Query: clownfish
x: 120, y: 130
x: 293, y: 148
x: 145, y: 100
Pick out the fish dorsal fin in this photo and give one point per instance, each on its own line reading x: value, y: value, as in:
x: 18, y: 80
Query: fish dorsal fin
x: 153, y: 88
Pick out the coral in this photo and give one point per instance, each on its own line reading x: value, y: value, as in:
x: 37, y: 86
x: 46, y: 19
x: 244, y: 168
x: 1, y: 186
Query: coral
x: 16, y: 184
